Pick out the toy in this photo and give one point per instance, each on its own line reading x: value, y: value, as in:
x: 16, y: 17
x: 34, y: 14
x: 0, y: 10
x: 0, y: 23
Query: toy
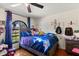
x: 41, y: 33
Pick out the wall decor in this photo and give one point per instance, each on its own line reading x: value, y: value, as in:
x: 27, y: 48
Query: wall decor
x: 55, y: 23
x: 2, y: 27
x: 2, y: 22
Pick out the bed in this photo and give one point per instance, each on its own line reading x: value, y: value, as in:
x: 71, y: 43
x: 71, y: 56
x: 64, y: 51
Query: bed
x: 40, y: 45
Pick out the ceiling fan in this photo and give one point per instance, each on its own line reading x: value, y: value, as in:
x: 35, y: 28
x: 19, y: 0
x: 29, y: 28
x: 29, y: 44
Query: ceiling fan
x: 28, y: 6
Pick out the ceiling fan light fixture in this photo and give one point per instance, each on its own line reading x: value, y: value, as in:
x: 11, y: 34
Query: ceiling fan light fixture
x: 15, y: 5
x: 26, y: 4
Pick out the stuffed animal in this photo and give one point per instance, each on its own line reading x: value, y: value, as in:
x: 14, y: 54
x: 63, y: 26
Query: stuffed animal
x: 41, y: 33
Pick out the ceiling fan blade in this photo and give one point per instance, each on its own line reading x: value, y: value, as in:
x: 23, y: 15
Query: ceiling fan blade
x: 29, y: 9
x: 37, y: 5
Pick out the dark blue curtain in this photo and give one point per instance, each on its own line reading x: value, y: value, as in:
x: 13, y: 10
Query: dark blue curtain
x: 8, y: 37
x: 28, y: 22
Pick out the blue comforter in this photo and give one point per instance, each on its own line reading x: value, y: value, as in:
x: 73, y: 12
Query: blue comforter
x: 41, y: 43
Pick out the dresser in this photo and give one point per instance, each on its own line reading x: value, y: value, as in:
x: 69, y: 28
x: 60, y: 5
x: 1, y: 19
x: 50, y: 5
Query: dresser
x: 70, y: 44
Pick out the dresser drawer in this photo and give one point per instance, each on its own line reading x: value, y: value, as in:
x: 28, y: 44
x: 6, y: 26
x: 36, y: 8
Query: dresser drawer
x: 72, y: 42
x: 75, y: 42
x: 75, y: 46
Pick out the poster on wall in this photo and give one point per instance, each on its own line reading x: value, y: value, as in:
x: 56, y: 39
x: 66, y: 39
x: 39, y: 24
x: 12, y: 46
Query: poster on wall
x: 55, y: 23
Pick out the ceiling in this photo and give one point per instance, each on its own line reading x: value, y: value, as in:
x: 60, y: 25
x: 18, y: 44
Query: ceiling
x: 49, y: 8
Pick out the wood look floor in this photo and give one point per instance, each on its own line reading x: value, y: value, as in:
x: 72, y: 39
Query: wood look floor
x: 61, y: 52
x: 22, y: 52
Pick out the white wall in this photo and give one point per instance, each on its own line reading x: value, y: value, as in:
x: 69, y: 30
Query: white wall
x: 2, y: 17
x: 35, y: 22
x: 64, y: 18
x: 2, y: 14
x: 17, y: 17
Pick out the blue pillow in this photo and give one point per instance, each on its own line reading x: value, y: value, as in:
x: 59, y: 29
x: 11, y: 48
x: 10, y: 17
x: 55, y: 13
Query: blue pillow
x: 24, y: 34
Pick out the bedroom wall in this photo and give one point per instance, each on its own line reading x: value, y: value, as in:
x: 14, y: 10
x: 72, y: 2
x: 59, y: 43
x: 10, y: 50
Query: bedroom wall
x: 17, y: 17
x: 14, y: 17
x: 35, y: 21
x: 2, y: 14
x: 64, y: 18
x: 2, y: 17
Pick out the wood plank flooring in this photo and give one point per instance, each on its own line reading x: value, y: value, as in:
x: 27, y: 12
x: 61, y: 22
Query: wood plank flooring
x: 61, y: 52
x: 23, y: 52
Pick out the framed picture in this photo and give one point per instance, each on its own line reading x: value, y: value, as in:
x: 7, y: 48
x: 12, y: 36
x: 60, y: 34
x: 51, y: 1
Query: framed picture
x: 2, y: 22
